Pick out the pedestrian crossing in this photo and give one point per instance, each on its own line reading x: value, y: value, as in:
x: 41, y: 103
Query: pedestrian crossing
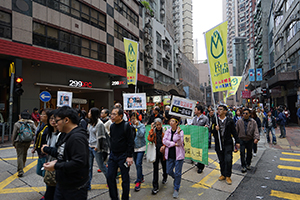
x: 287, y: 165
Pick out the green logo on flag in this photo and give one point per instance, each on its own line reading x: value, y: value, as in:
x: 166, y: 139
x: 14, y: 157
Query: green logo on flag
x: 234, y: 81
x: 131, y: 53
x: 216, y: 45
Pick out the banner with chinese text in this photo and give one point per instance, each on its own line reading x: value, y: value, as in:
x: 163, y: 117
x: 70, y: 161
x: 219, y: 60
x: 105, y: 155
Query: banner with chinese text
x: 216, y: 42
x: 131, y: 49
x: 182, y: 107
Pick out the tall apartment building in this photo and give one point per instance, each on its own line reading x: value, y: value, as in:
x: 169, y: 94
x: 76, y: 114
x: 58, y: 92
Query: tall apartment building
x: 183, y: 24
x: 68, y: 45
x: 239, y: 14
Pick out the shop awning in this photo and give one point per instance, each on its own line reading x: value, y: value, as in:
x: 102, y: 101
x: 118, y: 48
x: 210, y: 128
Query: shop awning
x: 72, y: 88
x: 36, y: 53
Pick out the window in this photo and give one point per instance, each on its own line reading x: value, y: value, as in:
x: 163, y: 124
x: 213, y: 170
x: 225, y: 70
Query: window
x: 124, y: 10
x: 158, y: 60
x: 56, y: 39
x: 120, y: 32
x: 5, y: 25
x: 158, y: 39
x: 292, y: 30
x: 120, y: 59
x: 78, y: 10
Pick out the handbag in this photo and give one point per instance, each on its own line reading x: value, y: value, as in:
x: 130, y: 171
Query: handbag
x: 151, y: 152
x: 49, y: 178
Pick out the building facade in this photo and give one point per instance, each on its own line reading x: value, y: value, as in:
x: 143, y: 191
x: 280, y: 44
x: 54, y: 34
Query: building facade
x: 72, y: 46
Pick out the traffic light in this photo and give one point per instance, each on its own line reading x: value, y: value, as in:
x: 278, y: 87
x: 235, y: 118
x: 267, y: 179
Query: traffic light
x: 264, y: 92
x: 18, y: 86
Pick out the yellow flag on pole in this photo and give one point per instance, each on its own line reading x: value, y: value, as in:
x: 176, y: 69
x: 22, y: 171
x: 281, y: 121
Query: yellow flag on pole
x: 235, y: 82
x: 132, y: 57
x: 216, y: 41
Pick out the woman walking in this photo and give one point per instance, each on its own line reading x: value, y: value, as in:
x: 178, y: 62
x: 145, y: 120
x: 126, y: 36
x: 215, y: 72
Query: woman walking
x: 174, y: 152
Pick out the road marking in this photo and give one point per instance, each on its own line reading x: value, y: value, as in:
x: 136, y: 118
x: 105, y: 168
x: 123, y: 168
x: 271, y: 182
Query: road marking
x: 290, y: 159
x: 292, y: 154
x: 22, y: 190
x: 208, y: 181
x: 288, y: 179
x: 15, y: 176
x: 284, y: 195
x: 11, y: 147
x: 288, y: 167
x: 28, y: 158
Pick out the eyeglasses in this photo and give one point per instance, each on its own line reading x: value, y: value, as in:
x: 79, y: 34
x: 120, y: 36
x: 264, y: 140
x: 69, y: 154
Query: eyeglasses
x: 56, y: 121
x: 245, y: 113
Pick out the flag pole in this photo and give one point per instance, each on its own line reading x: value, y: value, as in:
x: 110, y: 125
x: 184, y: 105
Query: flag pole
x: 219, y: 137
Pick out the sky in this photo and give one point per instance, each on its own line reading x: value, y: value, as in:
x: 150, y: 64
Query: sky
x: 206, y: 15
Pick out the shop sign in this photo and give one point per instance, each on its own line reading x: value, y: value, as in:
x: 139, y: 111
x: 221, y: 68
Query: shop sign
x: 134, y: 101
x: 75, y: 83
x: 79, y: 101
x: 246, y: 94
x: 157, y: 99
x: 182, y: 107
x: 119, y: 82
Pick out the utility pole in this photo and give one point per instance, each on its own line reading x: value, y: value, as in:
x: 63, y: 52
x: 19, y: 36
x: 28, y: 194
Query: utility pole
x: 11, y: 100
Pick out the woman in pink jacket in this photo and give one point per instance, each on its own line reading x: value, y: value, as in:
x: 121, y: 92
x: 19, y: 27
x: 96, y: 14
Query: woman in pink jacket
x: 174, y: 152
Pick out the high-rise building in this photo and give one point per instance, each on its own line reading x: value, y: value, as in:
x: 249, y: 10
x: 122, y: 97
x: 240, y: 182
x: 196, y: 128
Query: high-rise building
x: 183, y: 24
x: 196, y: 51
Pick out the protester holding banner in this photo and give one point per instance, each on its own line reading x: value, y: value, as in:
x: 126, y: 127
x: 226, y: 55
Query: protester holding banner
x: 226, y: 130
x: 200, y: 120
x: 174, y: 152
x: 211, y: 116
x: 156, y: 135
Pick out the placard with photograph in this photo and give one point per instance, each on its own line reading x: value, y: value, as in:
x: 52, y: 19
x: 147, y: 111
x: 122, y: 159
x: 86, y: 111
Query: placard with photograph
x: 134, y: 101
x: 64, y: 98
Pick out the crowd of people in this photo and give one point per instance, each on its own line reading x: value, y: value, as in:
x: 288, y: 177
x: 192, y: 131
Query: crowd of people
x: 67, y: 140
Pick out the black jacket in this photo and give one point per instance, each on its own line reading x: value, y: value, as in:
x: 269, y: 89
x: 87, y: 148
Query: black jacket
x: 152, y: 117
x: 266, y: 125
x: 72, y: 167
x: 226, y: 139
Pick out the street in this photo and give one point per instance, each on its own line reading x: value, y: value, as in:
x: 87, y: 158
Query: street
x: 272, y: 176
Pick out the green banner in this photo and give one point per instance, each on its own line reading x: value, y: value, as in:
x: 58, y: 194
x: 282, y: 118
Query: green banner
x: 195, y: 142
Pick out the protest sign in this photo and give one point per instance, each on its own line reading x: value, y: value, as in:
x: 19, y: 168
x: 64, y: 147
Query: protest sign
x: 64, y: 98
x: 134, y: 101
x: 182, y: 107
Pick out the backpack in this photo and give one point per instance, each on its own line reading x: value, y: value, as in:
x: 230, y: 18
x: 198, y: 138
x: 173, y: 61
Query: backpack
x: 25, y: 132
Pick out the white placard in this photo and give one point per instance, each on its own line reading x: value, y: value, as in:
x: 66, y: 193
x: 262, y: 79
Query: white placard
x: 134, y: 101
x: 64, y: 98
x: 182, y: 107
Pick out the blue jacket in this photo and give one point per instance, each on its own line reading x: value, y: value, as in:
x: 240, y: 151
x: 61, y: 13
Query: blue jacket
x: 298, y: 113
x: 139, y: 140
x: 281, y: 119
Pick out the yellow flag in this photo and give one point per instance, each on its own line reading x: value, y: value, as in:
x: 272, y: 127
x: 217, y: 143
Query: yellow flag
x: 216, y: 41
x: 235, y: 82
x: 11, y: 68
x: 132, y: 56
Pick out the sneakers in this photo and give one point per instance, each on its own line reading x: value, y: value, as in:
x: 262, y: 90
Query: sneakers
x: 137, y: 186
x: 254, y: 154
x: 20, y: 174
x: 175, y: 194
x: 274, y: 143
x: 222, y: 178
x: 164, y: 181
x: 99, y: 171
x: 143, y: 180
x: 199, y: 171
x: 244, y: 169
x: 155, y: 191
x: 228, y: 180
x: 248, y: 167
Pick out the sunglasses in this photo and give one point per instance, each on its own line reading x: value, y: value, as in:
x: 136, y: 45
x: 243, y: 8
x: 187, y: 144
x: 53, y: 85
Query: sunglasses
x: 245, y: 113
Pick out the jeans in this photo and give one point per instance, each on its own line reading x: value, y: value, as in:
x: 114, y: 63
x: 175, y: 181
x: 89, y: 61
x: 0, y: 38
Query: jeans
x: 114, y: 162
x: 282, y: 130
x: 272, y: 132
x: 225, y: 160
x: 246, y: 145
x: 209, y: 139
x: 171, y: 163
x: 63, y: 194
x: 159, y: 157
x: 39, y: 166
x: 21, y: 149
x: 100, y: 162
x: 138, y: 160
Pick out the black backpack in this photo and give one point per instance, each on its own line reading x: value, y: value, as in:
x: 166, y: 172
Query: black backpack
x: 25, y: 132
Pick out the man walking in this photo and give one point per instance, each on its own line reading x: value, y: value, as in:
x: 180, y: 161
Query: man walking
x: 121, y: 155
x: 155, y: 115
x: 247, y: 130
x: 72, y: 164
x: 200, y: 120
x: 226, y: 129
x: 282, y: 121
x: 270, y: 125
